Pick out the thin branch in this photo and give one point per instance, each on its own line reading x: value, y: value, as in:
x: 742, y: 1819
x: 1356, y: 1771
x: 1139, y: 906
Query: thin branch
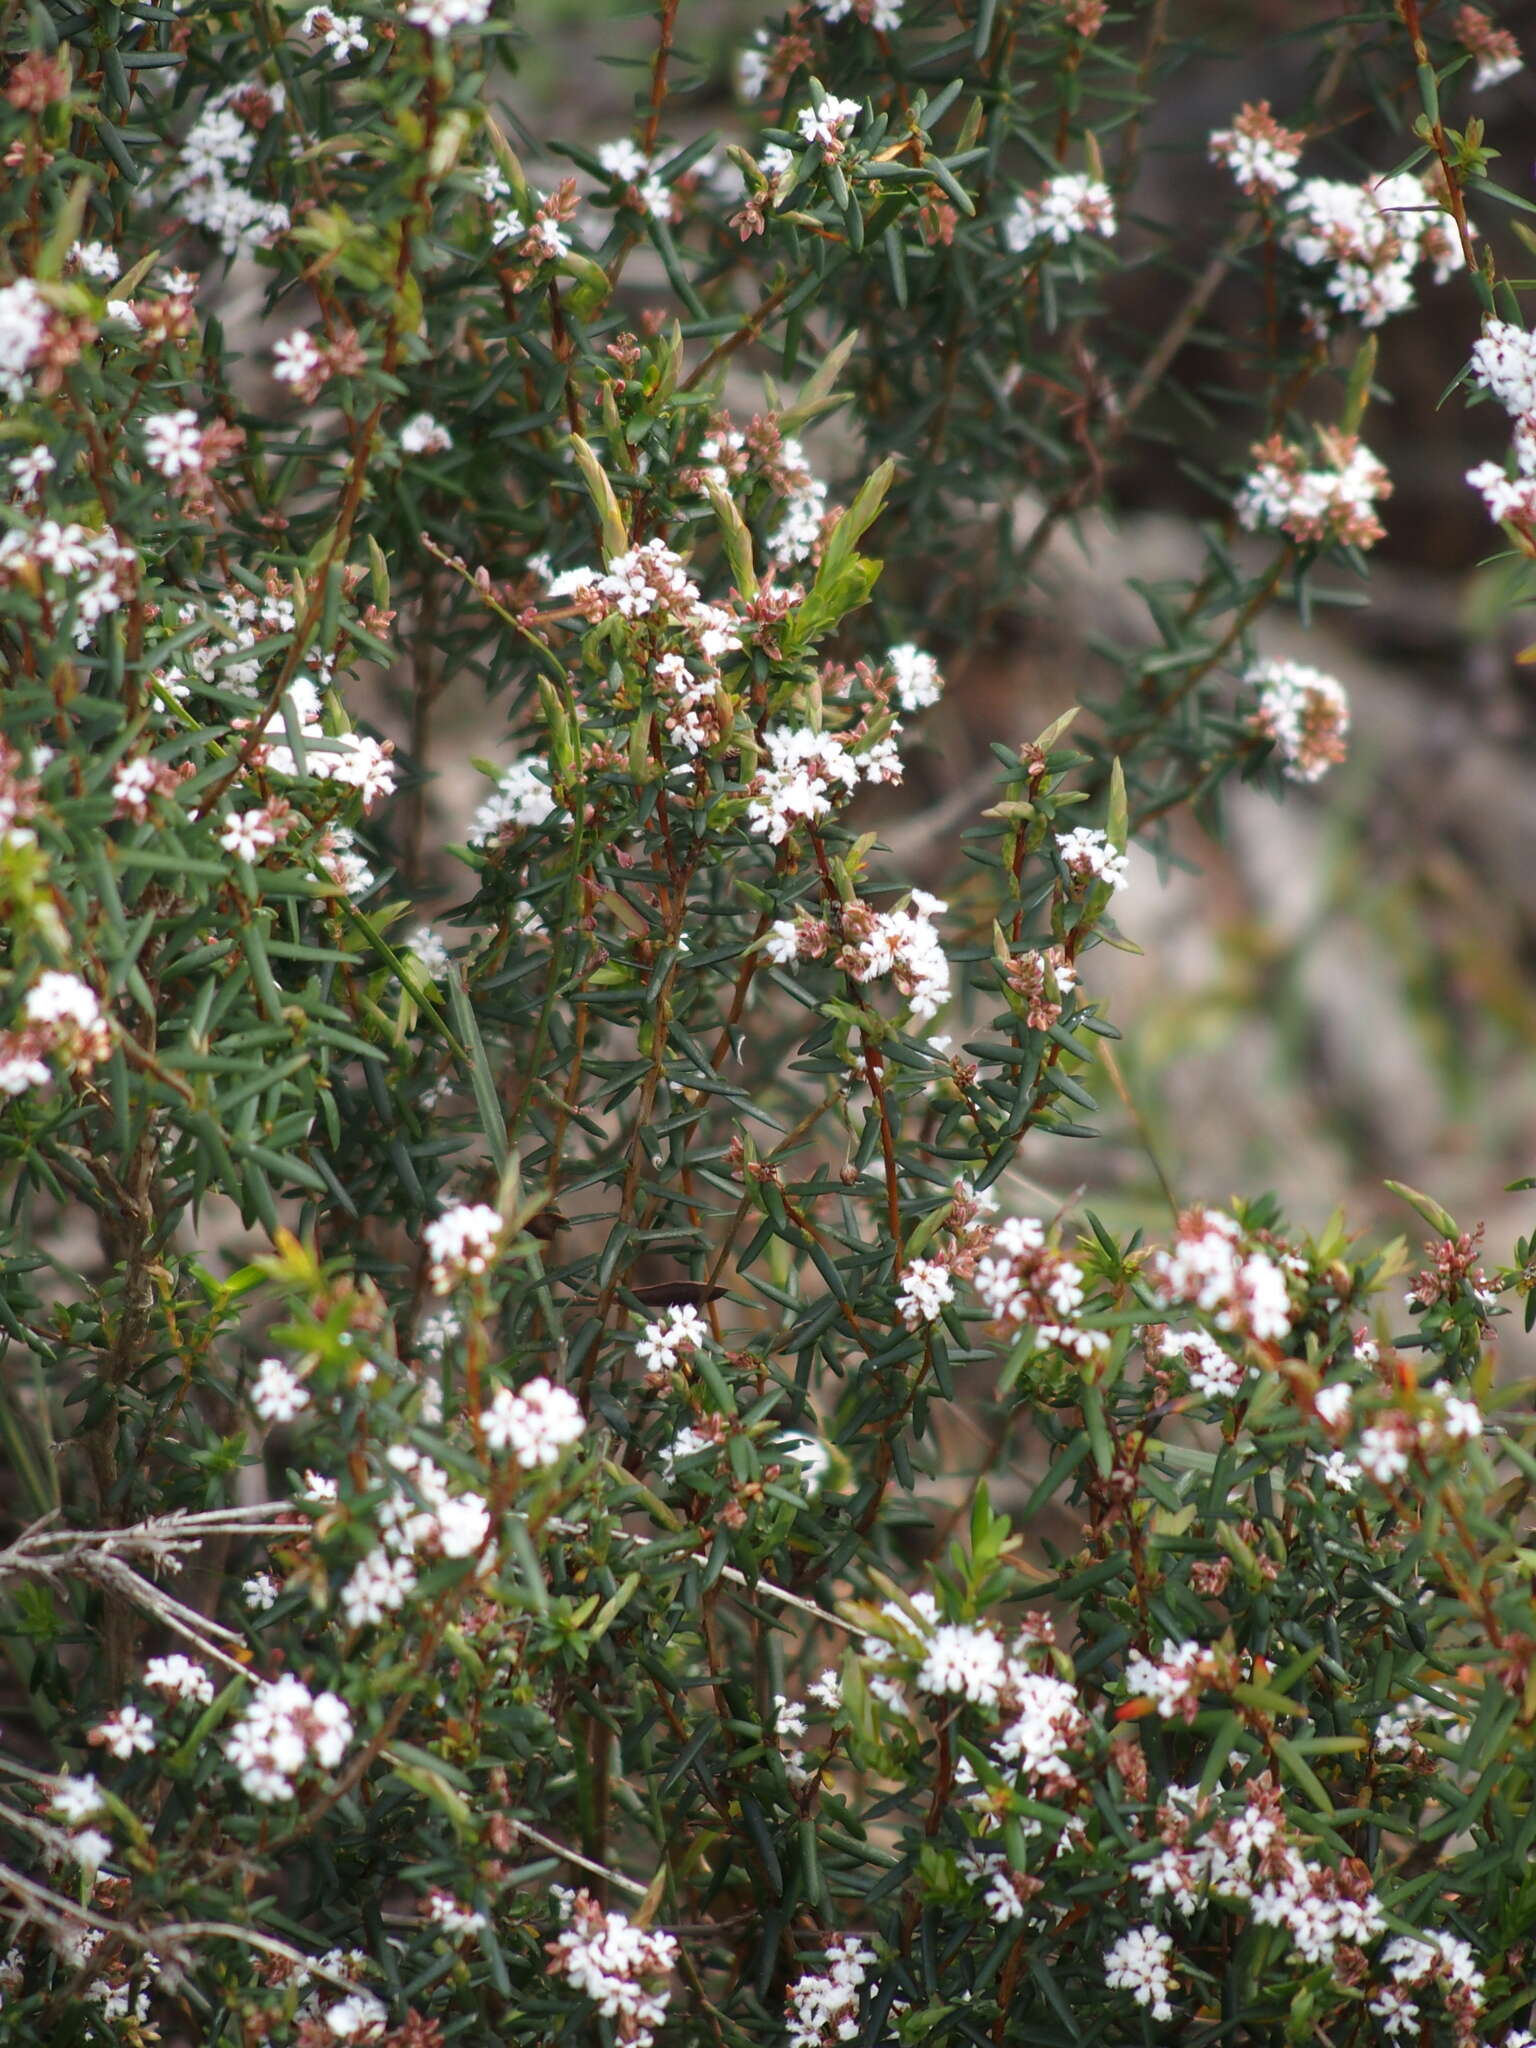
x: 613, y: 1877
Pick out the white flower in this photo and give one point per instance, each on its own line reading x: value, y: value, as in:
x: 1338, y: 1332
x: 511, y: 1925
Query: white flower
x: 681, y: 1330
x: 1139, y: 1962
x: 1462, y: 1420
x: 444, y: 1911
x: 90, y: 1849
x: 1333, y: 1404
x: 249, y: 834
x: 925, y: 1288
x: 461, y: 1243
x: 283, y: 1728
x: 620, y: 1967
x: 827, y: 123
x: 20, y: 1071
x: 429, y: 951
x: 177, y: 1678
x: 823, y: 2005
x: 379, y: 1585
x: 462, y: 1526
x: 442, y: 17
x: 260, y: 1592
x: 423, y: 435
x: 917, y: 680
x: 1304, y: 712
x: 30, y: 467
x: 1064, y: 207
x: 1339, y: 1472
x: 688, y: 1443
x: 295, y: 359
x: 1088, y: 856
x: 360, y: 2016
x: 519, y: 799
x: 827, y: 1691
x: 810, y: 1454
x: 23, y: 329
x: 547, y: 239
x: 783, y: 942
x: 435, y: 1332
x: 56, y: 998
x: 173, y: 443
x: 95, y: 259
x: 751, y: 68
x: 342, y: 34
x: 964, y: 1662
x: 1380, y: 1453
x: 77, y: 1799
x: 277, y: 1395
x: 536, y: 1424
x: 125, y: 1732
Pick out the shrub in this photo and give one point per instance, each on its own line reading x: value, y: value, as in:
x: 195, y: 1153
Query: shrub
x: 505, y: 1413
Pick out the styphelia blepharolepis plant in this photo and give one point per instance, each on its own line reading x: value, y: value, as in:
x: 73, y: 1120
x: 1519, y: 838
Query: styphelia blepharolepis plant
x: 505, y: 1384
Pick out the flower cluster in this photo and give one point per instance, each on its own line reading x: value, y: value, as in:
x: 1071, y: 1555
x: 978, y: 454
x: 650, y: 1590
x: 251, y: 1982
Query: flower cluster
x: 536, y: 1424
x: 90, y: 572
x: 439, y: 18
x: 1504, y: 365
x: 823, y: 2006
x: 1246, y: 1864
x: 61, y: 1019
x: 808, y: 776
x: 925, y: 1290
x: 1140, y: 1962
x: 1060, y: 211
x: 1042, y: 977
x: 903, y: 945
x: 1331, y: 503
x: 622, y: 1968
x: 1209, y: 1369
x: 1304, y: 712
x: 826, y: 125
x: 519, y: 802
x: 420, y: 1520
x: 1368, y: 239
x: 1174, y: 1679
x: 1089, y: 857
x: 283, y: 1728
x: 1209, y: 1267
x: 1497, y: 52
x: 1022, y: 1279
x: 216, y: 156
x: 916, y: 682
x: 462, y: 1243
x: 24, y: 328
x: 671, y: 1338
x: 1260, y: 154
